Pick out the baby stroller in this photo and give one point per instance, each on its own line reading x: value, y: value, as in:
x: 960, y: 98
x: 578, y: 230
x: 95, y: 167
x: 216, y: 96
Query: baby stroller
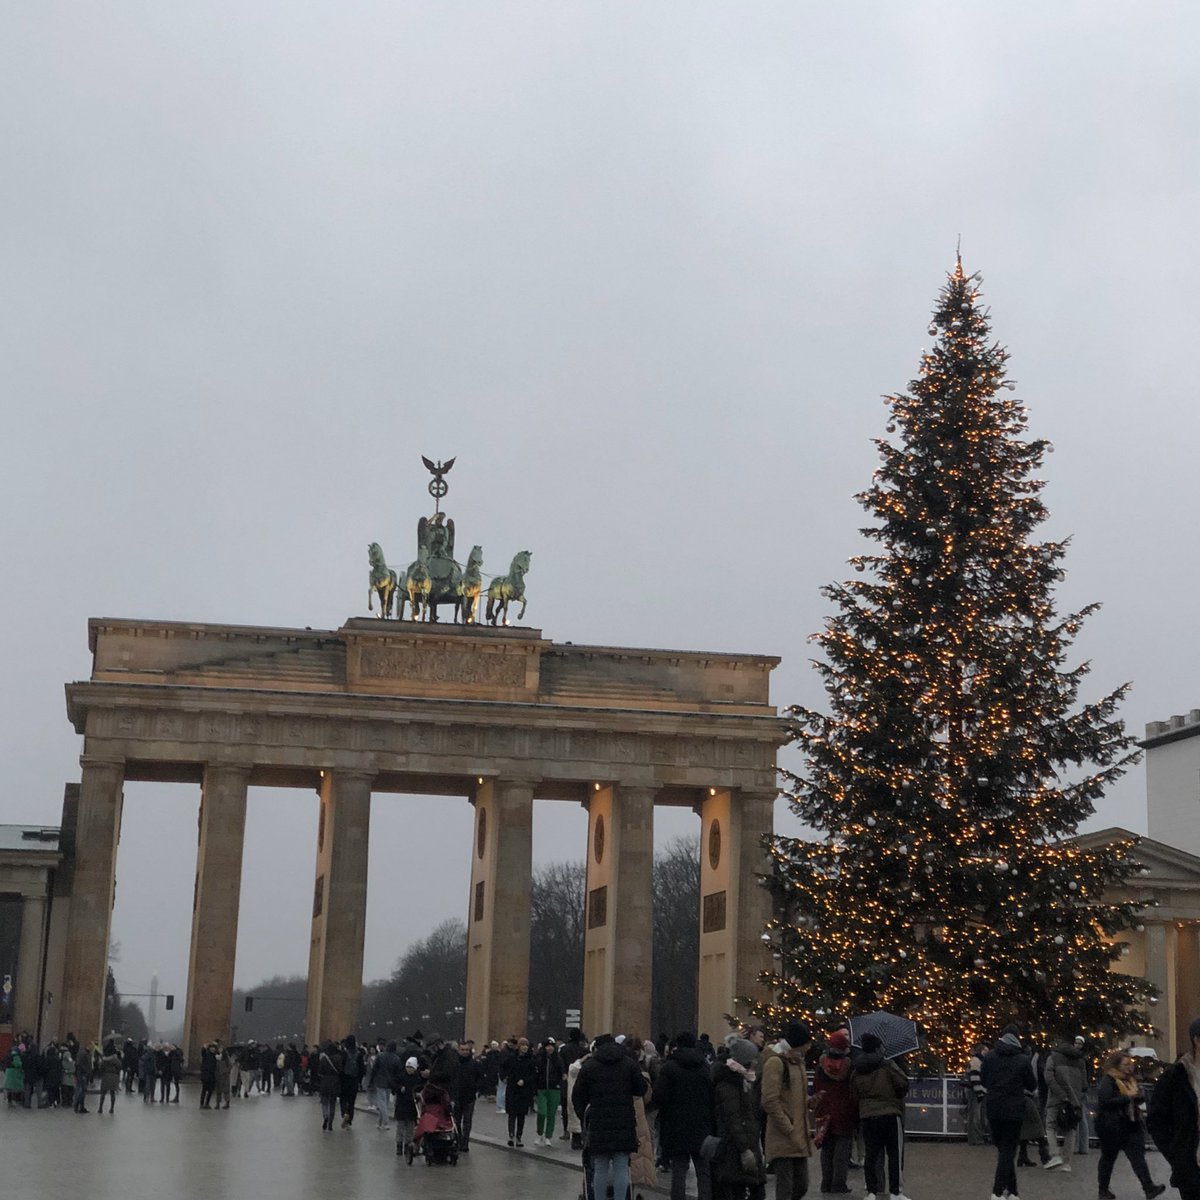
x: 436, y: 1135
x: 588, y: 1192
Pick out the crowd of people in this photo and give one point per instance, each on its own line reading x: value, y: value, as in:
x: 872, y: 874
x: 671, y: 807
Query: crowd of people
x: 61, y: 1074
x: 734, y: 1115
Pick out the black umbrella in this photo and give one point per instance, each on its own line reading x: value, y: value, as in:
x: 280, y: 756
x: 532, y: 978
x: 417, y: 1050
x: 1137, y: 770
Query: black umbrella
x: 899, y: 1035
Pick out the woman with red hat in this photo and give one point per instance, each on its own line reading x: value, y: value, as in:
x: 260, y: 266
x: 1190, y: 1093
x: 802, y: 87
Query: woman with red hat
x: 836, y: 1110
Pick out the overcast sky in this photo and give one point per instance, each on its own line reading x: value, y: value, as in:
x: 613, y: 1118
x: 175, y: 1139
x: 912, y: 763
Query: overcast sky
x: 646, y: 269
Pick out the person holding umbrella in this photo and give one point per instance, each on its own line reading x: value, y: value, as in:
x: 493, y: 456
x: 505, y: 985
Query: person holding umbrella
x: 880, y: 1087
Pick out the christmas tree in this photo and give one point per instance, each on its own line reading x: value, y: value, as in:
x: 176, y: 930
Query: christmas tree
x: 955, y: 762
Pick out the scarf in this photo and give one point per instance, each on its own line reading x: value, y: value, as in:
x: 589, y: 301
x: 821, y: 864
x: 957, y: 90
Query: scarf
x: 1126, y: 1086
x: 745, y: 1072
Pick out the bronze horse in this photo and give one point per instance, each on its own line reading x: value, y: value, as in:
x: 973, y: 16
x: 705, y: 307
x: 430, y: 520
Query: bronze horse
x: 382, y: 582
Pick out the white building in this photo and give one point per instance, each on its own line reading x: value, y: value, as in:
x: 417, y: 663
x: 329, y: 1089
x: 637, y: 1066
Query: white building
x: 1173, y: 781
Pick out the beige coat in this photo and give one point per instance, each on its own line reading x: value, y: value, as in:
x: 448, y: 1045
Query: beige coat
x: 785, y: 1101
x: 642, y: 1171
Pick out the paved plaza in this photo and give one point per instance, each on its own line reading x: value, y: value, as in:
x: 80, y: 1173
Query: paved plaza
x: 271, y: 1147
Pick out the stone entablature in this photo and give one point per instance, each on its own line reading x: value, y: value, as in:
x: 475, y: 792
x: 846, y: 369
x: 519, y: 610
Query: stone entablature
x: 179, y: 695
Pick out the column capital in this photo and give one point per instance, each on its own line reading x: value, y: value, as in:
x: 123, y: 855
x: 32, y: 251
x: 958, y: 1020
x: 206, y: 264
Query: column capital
x: 637, y: 789
x: 236, y: 770
x: 515, y: 783
x: 98, y: 764
x: 349, y: 775
x: 757, y: 794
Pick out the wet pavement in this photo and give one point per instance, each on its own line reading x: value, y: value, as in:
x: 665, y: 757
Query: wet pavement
x: 272, y: 1146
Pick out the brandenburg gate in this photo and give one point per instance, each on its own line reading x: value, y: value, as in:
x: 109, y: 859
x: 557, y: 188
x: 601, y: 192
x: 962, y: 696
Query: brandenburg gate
x: 496, y: 715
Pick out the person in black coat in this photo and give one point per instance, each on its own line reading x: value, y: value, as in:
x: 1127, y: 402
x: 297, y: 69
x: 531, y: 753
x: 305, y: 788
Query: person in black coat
x: 1007, y: 1075
x: 467, y: 1082
x: 603, y: 1097
x: 683, y: 1093
x: 354, y: 1064
x: 407, y: 1088
x: 208, y: 1075
x: 129, y: 1064
x: 520, y: 1088
x: 1173, y: 1120
x: 331, y: 1063
x: 737, y: 1170
x: 1120, y: 1125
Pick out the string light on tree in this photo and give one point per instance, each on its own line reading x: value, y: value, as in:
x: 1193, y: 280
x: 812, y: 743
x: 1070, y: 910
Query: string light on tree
x: 956, y: 759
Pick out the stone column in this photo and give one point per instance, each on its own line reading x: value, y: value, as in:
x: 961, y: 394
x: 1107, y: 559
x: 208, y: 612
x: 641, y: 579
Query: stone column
x: 618, y: 939
x: 734, y: 909
x: 756, y: 820
x: 498, y: 917
x: 215, y: 908
x: 27, y: 993
x: 1160, y: 971
x: 93, y: 887
x: 335, y: 961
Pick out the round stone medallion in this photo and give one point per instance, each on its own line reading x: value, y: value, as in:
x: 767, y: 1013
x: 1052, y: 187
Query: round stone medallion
x: 714, y: 844
x: 598, y: 839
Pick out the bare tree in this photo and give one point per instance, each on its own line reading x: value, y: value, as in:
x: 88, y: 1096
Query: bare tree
x: 555, y: 946
x: 427, y: 990
x: 676, y: 936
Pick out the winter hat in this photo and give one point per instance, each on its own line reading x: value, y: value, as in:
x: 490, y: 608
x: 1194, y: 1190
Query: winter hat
x: 411, y: 1062
x: 743, y: 1052
x: 839, y: 1042
x: 685, y: 1041
x: 797, y: 1034
x: 1194, y: 1029
x: 871, y: 1043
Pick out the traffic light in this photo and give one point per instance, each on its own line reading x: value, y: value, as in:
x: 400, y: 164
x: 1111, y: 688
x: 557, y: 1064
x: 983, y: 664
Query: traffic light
x: 170, y: 1001
x: 249, y: 1003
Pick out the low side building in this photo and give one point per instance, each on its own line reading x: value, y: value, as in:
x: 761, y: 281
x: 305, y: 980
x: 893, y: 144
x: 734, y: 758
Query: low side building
x: 1166, y: 947
x: 34, y: 899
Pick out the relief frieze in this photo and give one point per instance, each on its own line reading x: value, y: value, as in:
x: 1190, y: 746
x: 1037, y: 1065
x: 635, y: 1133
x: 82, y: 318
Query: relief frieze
x: 422, y: 664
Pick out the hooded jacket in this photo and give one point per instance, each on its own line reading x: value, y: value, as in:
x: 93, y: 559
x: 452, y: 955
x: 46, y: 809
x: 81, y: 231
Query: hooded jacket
x: 603, y: 1097
x: 1066, y: 1074
x: 1007, y: 1074
x: 683, y: 1093
x: 880, y: 1086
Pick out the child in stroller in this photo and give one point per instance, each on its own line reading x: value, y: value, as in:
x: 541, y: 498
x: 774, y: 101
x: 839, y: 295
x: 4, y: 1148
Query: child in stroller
x: 436, y: 1135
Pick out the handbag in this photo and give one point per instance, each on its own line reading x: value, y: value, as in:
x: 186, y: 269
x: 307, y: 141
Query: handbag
x: 1067, y: 1118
